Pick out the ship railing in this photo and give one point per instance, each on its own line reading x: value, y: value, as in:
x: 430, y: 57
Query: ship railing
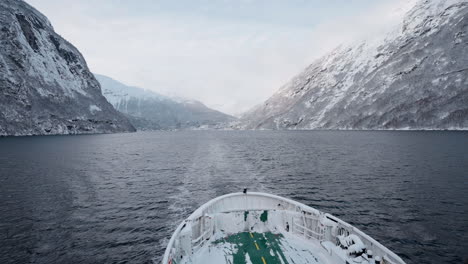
x: 309, y: 233
x: 194, y: 241
x: 377, y: 248
x: 200, y: 241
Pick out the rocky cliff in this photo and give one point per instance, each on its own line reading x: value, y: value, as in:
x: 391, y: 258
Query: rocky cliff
x: 45, y: 84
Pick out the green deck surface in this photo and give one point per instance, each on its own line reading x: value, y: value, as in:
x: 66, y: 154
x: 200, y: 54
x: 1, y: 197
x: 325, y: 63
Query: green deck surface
x: 262, y: 248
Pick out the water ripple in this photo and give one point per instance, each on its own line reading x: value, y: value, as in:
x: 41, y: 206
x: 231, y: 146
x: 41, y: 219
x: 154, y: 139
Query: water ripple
x: 118, y: 198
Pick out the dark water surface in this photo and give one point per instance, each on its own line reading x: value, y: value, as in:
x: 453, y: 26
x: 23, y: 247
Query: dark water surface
x: 117, y: 198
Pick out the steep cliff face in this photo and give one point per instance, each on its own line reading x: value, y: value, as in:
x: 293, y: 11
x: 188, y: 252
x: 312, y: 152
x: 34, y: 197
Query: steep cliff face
x: 416, y: 77
x: 148, y: 110
x: 45, y: 84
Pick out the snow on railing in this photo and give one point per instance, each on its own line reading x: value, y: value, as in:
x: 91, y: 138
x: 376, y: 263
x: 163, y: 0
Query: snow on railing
x: 309, y: 233
x: 377, y: 248
x: 199, y: 241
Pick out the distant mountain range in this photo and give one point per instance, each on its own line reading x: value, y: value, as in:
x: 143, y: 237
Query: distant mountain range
x: 148, y: 110
x: 416, y: 77
x: 46, y: 86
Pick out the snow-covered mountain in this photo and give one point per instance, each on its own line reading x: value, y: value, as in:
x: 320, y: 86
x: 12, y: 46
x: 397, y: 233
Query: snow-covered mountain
x: 45, y: 84
x: 416, y: 77
x: 148, y: 110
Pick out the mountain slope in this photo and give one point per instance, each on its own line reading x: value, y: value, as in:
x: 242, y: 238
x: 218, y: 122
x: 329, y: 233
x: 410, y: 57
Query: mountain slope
x: 413, y: 78
x: 46, y: 86
x: 148, y: 110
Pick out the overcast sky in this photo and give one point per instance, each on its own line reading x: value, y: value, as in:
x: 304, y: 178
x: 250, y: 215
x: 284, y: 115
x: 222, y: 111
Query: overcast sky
x: 229, y: 54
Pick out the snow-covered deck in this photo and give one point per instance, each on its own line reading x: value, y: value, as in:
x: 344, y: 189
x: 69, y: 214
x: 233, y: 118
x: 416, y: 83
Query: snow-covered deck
x: 260, y: 248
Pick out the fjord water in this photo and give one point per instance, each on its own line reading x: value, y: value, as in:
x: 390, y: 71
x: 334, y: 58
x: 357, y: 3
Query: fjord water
x: 117, y: 198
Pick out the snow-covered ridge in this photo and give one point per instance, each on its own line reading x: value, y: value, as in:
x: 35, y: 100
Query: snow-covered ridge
x: 115, y: 92
x: 149, y: 110
x: 47, y: 87
x: 389, y: 81
x: 21, y: 7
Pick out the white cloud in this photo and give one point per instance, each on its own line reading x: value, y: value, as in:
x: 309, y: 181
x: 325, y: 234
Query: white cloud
x: 230, y: 65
